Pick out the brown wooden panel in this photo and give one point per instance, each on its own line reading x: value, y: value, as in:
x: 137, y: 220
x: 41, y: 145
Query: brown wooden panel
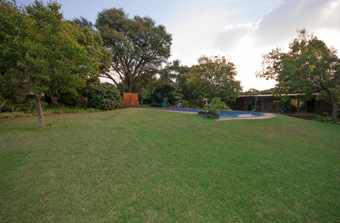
x: 130, y: 100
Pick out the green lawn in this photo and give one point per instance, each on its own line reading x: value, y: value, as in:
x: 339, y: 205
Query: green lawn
x: 133, y: 165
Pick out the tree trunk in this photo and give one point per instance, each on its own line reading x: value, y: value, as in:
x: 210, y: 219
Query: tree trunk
x: 130, y: 88
x: 334, y: 105
x: 54, y: 99
x: 40, y: 111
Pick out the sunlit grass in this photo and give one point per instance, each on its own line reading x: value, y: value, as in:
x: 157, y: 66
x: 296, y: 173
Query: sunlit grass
x: 135, y: 165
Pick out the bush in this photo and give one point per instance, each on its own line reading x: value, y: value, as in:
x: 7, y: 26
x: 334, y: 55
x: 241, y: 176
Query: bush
x: 105, y: 97
x: 325, y: 119
x: 7, y: 106
x: 216, y: 105
x: 195, y: 104
x: 31, y: 106
x: 2, y: 104
x: 185, y: 104
x: 74, y: 99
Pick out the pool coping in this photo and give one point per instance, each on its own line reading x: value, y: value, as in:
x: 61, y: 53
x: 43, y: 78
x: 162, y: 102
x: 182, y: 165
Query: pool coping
x: 264, y: 116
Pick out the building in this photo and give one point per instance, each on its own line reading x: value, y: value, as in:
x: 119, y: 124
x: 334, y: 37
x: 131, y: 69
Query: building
x: 130, y: 100
x: 271, y: 103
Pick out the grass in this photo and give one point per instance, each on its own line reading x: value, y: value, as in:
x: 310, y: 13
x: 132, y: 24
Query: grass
x: 51, y: 110
x: 143, y: 106
x: 134, y: 165
x: 11, y: 115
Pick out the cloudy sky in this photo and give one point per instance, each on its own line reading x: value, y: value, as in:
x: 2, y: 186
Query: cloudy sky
x: 241, y: 30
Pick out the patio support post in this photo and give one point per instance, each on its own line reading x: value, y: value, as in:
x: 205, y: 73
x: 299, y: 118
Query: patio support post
x: 255, y: 104
x: 316, y: 106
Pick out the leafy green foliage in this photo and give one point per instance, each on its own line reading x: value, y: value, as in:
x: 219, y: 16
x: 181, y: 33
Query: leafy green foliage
x: 164, y: 87
x: 308, y: 67
x: 186, y: 89
x: 215, y: 77
x: 31, y: 106
x: 186, y: 104
x: 105, y: 97
x: 324, y: 119
x: 74, y: 99
x: 83, y: 22
x: 138, y: 46
x: 97, y: 60
x: 3, y: 102
x: 43, y: 53
x: 216, y: 105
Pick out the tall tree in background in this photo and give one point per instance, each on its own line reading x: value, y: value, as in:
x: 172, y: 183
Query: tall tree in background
x: 41, y: 52
x: 165, y: 86
x: 215, y: 77
x: 138, y: 46
x: 308, y: 67
x: 82, y: 22
x: 186, y: 88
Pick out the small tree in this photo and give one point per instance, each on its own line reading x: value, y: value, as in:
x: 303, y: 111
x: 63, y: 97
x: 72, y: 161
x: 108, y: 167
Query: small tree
x: 41, y: 51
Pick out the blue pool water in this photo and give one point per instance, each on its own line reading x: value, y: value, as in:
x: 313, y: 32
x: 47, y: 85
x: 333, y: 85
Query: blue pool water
x: 236, y: 114
x: 223, y: 114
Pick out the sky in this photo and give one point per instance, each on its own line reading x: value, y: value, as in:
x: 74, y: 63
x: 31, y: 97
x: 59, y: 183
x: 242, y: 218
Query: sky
x: 241, y: 30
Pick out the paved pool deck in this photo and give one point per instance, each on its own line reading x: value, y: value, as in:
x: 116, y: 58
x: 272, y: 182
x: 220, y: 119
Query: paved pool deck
x: 264, y: 116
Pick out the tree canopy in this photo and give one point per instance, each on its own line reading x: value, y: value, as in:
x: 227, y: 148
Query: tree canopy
x: 43, y: 53
x: 138, y: 45
x: 215, y: 77
x: 308, y: 67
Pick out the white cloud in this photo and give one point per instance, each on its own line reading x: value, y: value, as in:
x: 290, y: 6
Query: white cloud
x: 234, y: 35
x: 282, y: 22
x: 240, y: 26
x: 194, y: 32
x: 246, y: 42
x: 242, y: 30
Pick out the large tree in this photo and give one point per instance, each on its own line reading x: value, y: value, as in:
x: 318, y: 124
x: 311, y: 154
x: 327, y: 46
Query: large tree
x: 97, y: 61
x: 165, y: 86
x: 41, y: 51
x: 138, y: 46
x: 215, y: 77
x: 308, y: 67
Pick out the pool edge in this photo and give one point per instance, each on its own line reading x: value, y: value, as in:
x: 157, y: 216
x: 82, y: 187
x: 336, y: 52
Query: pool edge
x: 263, y: 116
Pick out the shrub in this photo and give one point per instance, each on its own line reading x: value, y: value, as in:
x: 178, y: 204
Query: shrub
x: 195, y: 104
x: 31, y: 106
x: 2, y: 104
x: 74, y: 99
x: 325, y: 119
x: 216, y: 105
x: 185, y: 104
x: 7, y: 106
x: 105, y: 97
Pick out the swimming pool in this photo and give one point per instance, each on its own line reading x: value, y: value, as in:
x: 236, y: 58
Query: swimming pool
x: 223, y: 114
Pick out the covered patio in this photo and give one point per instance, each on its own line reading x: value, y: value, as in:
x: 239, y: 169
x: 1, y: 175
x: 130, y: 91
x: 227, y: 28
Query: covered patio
x: 271, y: 103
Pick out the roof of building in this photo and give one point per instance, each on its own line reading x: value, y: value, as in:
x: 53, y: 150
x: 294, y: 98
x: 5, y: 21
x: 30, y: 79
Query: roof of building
x: 269, y: 95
